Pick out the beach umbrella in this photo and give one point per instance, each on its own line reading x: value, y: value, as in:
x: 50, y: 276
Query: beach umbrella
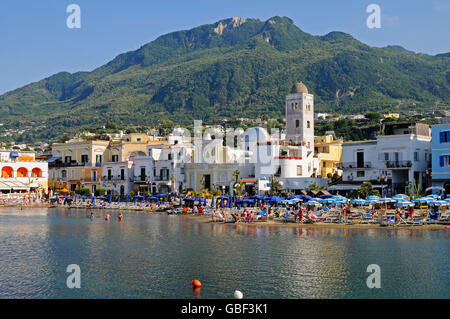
x: 400, y: 199
x: 110, y: 197
x: 341, y: 202
x: 447, y: 199
x: 400, y: 196
x: 359, y: 201
x: 328, y: 200
x: 385, y: 200
x: 313, y: 203
x: 372, y: 197
x: 404, y: 204
x: 439, y: 203
x: 326, y: 196
x: 181, y: 201
x: 432, y: 196
x: 422, y: 200
x: 118, y: 198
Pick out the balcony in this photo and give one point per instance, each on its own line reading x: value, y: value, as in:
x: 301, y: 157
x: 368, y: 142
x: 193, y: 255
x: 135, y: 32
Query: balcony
x: 355, y: 165
x: 398, y: 164
x: 113, y: 178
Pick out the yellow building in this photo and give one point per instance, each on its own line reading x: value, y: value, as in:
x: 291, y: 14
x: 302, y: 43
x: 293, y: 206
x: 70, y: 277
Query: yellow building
x: 392, y: 116
x: 329, y: 151
x: 78, y: 163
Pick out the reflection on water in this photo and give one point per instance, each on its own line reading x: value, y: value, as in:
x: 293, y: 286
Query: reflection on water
x: 157, y: 256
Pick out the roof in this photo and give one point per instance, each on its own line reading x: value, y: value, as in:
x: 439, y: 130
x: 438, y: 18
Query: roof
x: 299, y: 88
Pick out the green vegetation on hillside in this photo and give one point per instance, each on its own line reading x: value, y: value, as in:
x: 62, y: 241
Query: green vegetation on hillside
x: 233, y: 68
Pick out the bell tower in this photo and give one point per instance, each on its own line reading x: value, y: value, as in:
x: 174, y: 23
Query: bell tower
x: 300, y: 116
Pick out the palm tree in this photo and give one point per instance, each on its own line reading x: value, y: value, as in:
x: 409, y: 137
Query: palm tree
x: 236, y: 174
x: 275, y: 187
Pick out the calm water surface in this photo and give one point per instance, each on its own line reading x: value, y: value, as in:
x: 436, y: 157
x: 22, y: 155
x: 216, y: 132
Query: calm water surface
x: 157, y: 256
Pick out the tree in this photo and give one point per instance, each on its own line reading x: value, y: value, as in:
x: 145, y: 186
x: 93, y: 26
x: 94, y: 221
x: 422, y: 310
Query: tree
x: 373, y: 116
x: 238, y: 188
x: 316, y: 187
x: 367, y: 189
x: 275, y: 187
x: 236, y: 174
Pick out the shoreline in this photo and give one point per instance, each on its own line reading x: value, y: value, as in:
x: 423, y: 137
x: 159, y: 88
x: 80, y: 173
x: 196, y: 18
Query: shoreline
x: 205, y: 219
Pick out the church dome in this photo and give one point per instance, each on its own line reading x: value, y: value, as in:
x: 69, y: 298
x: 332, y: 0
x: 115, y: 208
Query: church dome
x: 299, y: 88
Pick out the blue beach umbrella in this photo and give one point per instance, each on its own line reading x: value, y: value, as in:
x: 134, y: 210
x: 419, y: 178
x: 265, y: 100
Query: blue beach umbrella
x: 439, y: 203
x: 372, y: 197
x: 422, y: 200
x: 400, y: 196
x: 400, y: 199
x: 359, y: 201
x: 313, y: 203
x: 404, y: 204
x: 328, y: 200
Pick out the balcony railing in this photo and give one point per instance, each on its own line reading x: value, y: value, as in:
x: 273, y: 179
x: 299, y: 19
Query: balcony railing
x: 355, y: 165
x: 398, y: 164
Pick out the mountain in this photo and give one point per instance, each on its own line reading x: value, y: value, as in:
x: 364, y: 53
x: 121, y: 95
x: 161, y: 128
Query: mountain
x: 233, y: 68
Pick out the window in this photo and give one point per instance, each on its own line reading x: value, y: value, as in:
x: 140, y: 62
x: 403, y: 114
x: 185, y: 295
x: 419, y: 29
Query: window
x: 324, y: 164
x: 297, y: 123
x: 98, y: 158
x: 386, y: 156
x: 68, y: 159
x: 416, y: 156
x: 308, y: 124
x: 72, y: 174
x: 444, y: 160
x: 308, y: 145
x: 109, y: 174
x: 122, y: 174
x: 115, y: 158
x: 138, y: 139
x: 94, y: 176
x: 444, y: 136
x: 169, y: 157
x: 84, y: 159
x: 299, y: 170
x: 360, y: 174
x: 63, y: 174
x: 142, y: 173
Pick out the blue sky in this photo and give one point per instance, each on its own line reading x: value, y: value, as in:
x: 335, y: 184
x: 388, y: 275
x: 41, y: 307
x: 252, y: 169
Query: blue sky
x: 36, y: 43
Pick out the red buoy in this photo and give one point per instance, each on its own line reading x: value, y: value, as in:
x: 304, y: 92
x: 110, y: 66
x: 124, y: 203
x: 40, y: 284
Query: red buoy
x: 196, y: 283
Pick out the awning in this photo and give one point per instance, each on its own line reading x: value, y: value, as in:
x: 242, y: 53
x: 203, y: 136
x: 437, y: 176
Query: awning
x: 344, y: 187
x: 13, y: 184
x: 13, y: 154
x: 52, y: 159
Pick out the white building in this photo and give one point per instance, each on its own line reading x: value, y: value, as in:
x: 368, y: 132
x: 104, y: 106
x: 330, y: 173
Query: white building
x: 20, y: 171
x: 162, y: 169
x: 398, y: 159
x: 117, y: 177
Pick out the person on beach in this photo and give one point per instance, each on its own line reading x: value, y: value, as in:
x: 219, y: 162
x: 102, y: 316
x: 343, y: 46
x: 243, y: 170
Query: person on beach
x: 120, y: 216
x: 200, y: 210
x: 184, y: 210
x: 195, y: 210
x: 92, y: 216
x: 213, y: 216
x: 300, y: 216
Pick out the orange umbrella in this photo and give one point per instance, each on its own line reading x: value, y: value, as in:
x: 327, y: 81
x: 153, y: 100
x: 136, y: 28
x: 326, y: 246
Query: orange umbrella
x: 64, y: 190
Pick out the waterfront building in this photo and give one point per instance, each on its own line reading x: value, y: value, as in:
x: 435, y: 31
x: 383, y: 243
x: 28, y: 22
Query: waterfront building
x: 117, y: 177
x: 22, y: 172
x: 78, y: 163
x: 162, y: 169
x: 398, y: 159
x: 329, y: 151
x: 440, y: 149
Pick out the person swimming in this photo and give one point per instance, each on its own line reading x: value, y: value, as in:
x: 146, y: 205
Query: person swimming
x: 92, y: 216
x: 107, y: 217
x: 120, y: 217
